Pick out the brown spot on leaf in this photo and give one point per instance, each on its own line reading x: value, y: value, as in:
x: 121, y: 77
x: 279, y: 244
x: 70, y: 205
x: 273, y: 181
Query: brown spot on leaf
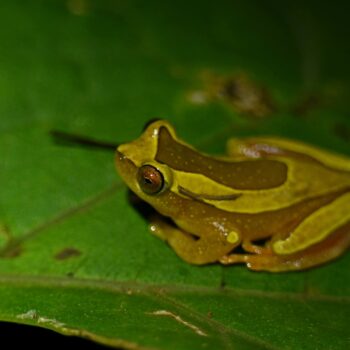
x: 5, y: 232
x: 11, y: 248
x: 67, y: 253
x: 11, y: 252
x: 78, y: 7
x: 307, y: 104
x: 241, y: 93
x: 246, y: 96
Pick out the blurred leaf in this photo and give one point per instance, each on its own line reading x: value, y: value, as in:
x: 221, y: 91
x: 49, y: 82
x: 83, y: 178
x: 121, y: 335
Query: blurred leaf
x: 76, y: 256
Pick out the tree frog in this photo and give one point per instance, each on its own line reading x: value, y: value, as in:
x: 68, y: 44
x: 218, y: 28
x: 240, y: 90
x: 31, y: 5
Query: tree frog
x: 271, y: 203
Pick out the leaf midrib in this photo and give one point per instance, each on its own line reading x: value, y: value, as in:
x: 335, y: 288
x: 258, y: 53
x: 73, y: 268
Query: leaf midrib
x: 146, y: 289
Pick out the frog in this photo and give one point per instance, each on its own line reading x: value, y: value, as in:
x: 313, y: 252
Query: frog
x: 271, y: 203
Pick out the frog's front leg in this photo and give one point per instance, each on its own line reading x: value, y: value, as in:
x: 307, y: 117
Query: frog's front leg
x: 194, y: 250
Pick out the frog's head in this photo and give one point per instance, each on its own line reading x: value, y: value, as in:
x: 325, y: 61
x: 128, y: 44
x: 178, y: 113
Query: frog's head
x: 141, y: 169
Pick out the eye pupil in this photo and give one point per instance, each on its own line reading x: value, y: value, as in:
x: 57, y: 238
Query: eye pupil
x: 150, y: 179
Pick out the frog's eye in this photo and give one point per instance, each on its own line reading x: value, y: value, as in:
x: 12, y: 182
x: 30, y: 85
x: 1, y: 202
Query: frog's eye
x: 150, y: 179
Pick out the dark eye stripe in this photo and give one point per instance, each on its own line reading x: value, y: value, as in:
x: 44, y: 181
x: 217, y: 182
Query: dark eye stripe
x: 244, y: 175
x: 203, y: 196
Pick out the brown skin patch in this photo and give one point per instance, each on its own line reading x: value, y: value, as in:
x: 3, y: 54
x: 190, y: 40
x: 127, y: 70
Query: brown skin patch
x: 67, y: 253
x: 253, y: 174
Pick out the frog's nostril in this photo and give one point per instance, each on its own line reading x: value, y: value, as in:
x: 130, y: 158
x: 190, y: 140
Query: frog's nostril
x: 120, y: 157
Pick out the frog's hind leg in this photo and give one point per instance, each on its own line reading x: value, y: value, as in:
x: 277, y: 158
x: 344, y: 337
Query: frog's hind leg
x: 194, y: 250
x: 320, y: 253
x: 316, y: 227
x: 249, y: 247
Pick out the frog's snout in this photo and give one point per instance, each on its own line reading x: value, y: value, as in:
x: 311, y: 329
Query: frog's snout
x: 120, y: 161
x: 119, y: 156
x: 125, y: 167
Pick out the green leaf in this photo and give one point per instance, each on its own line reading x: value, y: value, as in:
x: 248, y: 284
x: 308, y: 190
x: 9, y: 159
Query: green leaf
x: 76, y: 257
